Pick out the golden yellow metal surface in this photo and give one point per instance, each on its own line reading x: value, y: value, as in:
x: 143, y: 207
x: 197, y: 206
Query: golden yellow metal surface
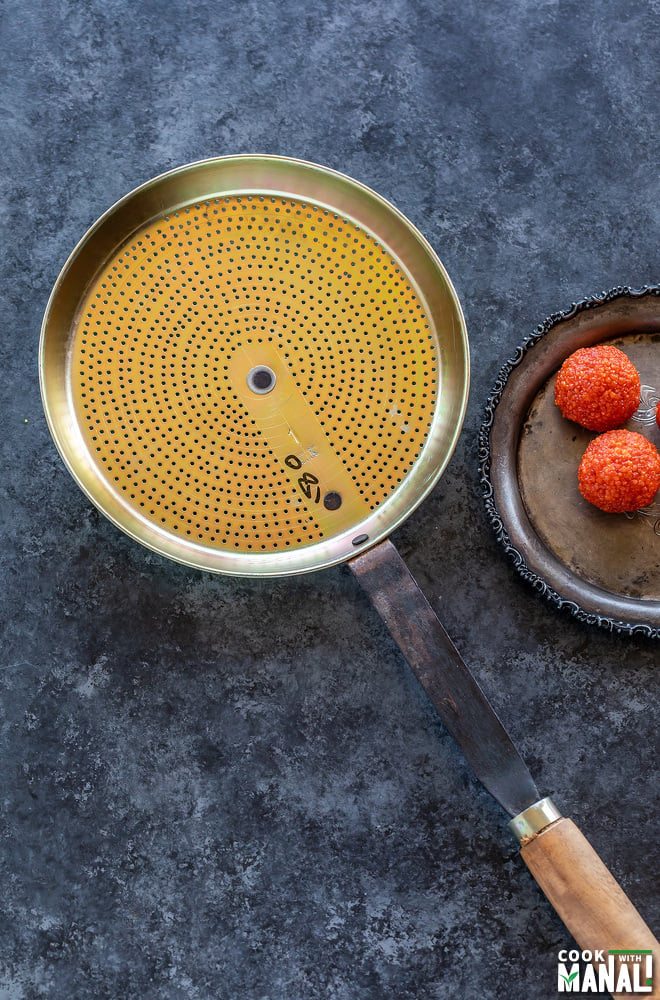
x: 160, y: 321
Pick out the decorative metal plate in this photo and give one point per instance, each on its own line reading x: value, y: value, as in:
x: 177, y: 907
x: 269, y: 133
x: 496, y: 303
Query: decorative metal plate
x: 603, y: 568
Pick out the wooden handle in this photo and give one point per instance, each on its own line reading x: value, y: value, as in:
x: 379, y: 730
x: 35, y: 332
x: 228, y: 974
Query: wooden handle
x: 590, y: 902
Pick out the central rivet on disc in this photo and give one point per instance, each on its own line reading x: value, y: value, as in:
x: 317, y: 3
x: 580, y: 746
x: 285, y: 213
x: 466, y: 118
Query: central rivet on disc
x: 261, y: 379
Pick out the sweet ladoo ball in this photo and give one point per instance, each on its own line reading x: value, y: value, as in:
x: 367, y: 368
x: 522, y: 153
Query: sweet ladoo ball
x: 620, y: 471
x: 598, y: 387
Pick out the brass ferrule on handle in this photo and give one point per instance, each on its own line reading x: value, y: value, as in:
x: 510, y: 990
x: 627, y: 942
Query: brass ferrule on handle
x: 527, y: 824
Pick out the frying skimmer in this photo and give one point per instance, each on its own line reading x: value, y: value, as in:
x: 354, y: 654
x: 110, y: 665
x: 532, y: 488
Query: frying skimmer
x: 257, y: 366
x: 203, y: 282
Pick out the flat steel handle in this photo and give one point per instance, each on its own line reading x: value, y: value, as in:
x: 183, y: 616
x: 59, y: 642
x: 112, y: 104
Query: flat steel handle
x: 437, y: 664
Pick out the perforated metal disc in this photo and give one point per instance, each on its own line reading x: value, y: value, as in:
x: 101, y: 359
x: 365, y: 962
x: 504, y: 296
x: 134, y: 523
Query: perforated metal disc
x: 254, y: 365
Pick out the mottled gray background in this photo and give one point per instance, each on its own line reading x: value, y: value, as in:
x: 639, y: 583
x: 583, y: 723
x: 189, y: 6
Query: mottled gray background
x: 215, y: 789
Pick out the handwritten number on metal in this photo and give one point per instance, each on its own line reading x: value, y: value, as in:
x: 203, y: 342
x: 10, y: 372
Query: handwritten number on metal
x: 308, y: 482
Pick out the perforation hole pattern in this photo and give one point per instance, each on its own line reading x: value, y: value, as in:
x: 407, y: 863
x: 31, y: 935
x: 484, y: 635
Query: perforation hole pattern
x: 158, y: 328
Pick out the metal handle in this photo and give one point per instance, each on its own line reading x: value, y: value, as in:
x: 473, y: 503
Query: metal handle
x: 437, y: 664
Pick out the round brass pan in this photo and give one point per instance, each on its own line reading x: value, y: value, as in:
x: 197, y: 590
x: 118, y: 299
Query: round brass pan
x: 254, y: 365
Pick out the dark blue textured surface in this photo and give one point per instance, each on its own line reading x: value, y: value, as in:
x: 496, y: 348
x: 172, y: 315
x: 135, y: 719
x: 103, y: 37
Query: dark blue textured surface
x: 227, y: 790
